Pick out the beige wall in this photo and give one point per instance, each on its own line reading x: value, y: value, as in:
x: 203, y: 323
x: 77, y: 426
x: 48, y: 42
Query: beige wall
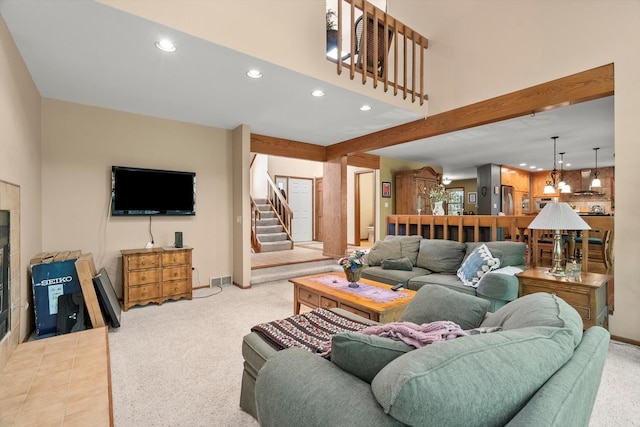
x: 241, y: 207
x: 20, y: 165
x: 282, y: 166
x: 81, y: 143
x: 480, y: 50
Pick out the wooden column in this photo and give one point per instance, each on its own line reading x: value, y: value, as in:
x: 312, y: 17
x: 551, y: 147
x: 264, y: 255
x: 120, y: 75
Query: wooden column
x: 334, y: 197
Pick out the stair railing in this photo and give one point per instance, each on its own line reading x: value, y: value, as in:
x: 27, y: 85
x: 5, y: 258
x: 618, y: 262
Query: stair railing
x: 280, y: 206
x: 255, y: 215
x: 394, y: 52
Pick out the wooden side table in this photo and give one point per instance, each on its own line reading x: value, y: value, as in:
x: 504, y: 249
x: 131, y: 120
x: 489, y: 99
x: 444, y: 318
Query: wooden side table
x: 588, y: 297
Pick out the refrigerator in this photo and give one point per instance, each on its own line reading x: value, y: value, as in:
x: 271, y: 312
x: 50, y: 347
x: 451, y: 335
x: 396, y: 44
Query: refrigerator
x: 507, y: 200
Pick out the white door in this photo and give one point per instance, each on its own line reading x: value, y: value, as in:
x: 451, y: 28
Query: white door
x: 300, y: 199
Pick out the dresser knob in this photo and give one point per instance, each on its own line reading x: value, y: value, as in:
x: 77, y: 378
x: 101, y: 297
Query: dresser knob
x: 144, y: 294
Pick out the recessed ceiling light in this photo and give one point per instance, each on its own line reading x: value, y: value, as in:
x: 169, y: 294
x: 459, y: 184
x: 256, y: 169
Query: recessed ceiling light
x: 365, y: 108
x: 523, y: 164
x: 254, y: 74
x: 532, y: 167
x: 539, y: 169
x: 166, y: 45
x: 317, y: 92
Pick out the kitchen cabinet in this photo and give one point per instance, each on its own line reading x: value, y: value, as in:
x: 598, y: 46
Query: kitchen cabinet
x: 414, y: 185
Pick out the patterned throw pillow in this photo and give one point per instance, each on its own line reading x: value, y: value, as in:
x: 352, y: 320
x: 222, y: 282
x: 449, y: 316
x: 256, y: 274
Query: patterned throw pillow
x: 477, y: 264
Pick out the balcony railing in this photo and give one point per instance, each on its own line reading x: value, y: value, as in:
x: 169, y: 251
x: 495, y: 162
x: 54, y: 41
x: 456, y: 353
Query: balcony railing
x: 393, y: 52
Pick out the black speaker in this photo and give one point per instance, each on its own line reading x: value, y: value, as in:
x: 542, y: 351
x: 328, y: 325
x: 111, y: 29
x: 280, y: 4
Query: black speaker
x: 178, y: 239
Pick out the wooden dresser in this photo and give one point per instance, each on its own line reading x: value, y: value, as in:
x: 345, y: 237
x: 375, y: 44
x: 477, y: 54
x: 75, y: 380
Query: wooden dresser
x: 412, y: 185
x: 588, y: 297
x: 155, y: 275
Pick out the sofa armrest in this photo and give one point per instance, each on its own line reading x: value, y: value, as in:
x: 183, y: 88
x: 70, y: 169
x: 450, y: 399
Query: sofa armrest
x: 297, y: 388
x: 567, y: 398
x: 498, y: 286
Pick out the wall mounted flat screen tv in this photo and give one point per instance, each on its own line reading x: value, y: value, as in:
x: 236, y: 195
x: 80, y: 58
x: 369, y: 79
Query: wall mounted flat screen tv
x: 136, y: 191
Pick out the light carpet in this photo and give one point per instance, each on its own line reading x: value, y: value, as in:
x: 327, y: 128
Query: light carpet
x: 180, y: 364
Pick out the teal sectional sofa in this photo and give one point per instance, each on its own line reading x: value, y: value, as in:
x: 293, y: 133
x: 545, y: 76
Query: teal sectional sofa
x: 415, y: 262
x: 527, y: 364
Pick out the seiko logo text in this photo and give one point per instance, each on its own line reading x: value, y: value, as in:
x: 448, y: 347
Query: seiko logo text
x: 55, y: 281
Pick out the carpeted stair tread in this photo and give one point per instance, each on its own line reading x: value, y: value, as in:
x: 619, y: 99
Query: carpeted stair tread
x: 275, y: 246
x: 264, y: 229
x: 267, y: 221
x: 272, y: 237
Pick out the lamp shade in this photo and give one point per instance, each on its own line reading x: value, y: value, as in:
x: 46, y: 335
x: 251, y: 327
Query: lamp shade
x: 558, y: 216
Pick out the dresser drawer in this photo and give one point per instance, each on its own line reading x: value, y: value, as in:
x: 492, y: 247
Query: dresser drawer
x: 328, y: 303
x: 143, y: 277
x: 137, y: 262
x: 309, y: 297
x: 175, y: 258
x: 176, y: 288
x: 573, y: 297
x: 357, y: 311
x: 140, y: 293
x: 175, y: 273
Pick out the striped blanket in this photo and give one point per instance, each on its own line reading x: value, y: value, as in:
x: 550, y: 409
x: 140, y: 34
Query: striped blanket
x: 311, y: 331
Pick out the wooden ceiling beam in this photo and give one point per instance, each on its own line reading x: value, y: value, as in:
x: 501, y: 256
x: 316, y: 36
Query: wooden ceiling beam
x: 585, y: 86
x: 287, y: 148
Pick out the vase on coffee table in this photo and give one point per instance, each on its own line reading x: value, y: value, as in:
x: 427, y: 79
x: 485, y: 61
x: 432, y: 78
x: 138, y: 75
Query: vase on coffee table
x: 353, y: 275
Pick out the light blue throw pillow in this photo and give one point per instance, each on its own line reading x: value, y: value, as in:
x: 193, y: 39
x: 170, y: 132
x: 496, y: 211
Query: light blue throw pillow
x: 477, y: 264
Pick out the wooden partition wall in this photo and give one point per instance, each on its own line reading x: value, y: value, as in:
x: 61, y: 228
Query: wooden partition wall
x: 483, y: 228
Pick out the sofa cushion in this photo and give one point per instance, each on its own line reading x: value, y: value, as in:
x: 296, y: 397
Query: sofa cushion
x: 403, y: 263
x: 433, y: 302
x: 409, y: 246
x: 537, y: 309
x: 365, y: 355
x: 440, y: 256
x: 480, y: 262
x: 478, y: 380
x: 392, y: 277
x: 383, y: 250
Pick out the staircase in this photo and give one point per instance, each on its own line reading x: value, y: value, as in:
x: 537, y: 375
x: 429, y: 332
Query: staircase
x: 270, y: 233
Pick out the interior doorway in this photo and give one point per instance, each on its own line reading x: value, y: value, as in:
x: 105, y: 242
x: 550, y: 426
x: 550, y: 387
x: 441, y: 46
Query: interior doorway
x: 364, y: 208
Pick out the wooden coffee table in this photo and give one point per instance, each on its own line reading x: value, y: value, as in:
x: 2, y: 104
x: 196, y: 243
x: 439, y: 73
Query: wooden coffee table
x: 318, y: 295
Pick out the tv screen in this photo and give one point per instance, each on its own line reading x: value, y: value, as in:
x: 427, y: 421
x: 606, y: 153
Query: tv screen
x: 136, y: 191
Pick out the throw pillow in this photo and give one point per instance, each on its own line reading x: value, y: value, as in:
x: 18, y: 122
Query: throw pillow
x: 491, y: 374
x: 441, y: 256
x: 480, y: 262
x: 365, y: 355
x: 383, y: 250
x: 409, y: 246
x: 403, y: 263
x: 433, y: 302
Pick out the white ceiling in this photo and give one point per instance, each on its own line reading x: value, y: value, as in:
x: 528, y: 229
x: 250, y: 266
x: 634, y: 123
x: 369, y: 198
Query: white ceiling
x: 85, y: 52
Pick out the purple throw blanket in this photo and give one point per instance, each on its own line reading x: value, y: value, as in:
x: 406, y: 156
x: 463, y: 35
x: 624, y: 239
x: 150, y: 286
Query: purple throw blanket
x: 410, y: 333
x: 417, y: 335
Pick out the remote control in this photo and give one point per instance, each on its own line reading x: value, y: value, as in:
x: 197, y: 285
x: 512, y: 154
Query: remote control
x: 398, y: 286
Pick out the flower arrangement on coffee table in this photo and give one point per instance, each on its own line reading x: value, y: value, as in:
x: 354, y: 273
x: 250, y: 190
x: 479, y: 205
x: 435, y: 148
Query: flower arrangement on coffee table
x: 352, y: 265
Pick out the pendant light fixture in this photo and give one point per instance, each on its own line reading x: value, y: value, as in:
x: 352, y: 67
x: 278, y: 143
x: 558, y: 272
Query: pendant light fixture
x: 550, y: 187
x: 596, y: 180
x: 563, y: 185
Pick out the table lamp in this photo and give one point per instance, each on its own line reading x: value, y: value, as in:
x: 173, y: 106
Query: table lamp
x: 558, y: 216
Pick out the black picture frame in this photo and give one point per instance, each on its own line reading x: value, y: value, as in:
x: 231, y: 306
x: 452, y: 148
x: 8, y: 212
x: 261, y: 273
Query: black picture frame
x: 107, y: 298
x: 386, y: 189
